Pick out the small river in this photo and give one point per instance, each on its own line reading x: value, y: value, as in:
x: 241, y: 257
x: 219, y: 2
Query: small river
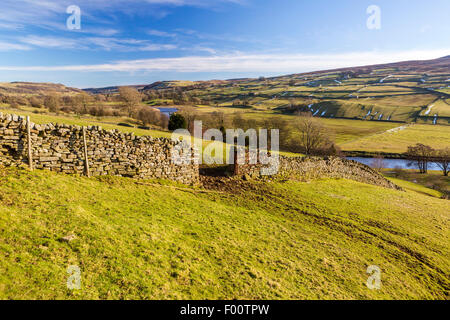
x: 168, y: 111
x: 393, y: 163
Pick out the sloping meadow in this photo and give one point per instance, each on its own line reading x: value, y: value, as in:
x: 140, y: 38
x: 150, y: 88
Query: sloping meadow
x: 160, y: 240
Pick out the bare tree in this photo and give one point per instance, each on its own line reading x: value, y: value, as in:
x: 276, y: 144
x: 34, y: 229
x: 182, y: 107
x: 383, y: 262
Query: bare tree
x: 378, y: 162
x: 80, y: 103
x: 217, y: 119
x: 52, y: 102
x: 421, y: 155
x: 131, y: 98
x: 35, y: 102
x: 149, y: 116
x: 100, y: 97
x: 442, y: 160
x: 312, y: 135
x: 190, y: 115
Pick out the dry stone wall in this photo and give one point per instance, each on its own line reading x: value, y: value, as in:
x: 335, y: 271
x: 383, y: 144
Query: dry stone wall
x: 310, y: 168
x: 60, y: 148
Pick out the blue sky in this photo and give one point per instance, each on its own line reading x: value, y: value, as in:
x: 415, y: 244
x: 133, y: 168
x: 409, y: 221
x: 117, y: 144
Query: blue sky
x: 136, y: 42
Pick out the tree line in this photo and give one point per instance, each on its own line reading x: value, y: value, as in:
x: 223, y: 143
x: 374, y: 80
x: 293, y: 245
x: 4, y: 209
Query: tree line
x: 128, y: 103
x: 422, y: 155
x: 305, y: 134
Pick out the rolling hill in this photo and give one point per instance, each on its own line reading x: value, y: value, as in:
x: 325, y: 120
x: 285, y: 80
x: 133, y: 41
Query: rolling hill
x: 34, y: 88
x: 405, y: 91
x: 411, y: 91
x: 157, y: 240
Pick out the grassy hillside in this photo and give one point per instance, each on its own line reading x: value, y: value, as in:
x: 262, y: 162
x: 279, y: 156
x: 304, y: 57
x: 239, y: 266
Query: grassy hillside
x: 433, y: 183
x: 270, y: 241
x: 32, y: 88
x: 398, y: 140
x: 416, y: 187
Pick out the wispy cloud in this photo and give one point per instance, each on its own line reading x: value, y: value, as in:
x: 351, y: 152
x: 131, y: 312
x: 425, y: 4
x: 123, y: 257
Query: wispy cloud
x: 287, y: 63
x: 163, y: 34
x: 46, y: 13
x: 158, y: 47
x: 51, y: 42
x: 94, y: 43
x: 8, y: 46
x: 105, y: 32
x: 10, y: 26
x: 97, y: 30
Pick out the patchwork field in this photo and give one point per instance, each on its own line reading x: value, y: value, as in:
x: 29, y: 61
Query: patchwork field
x: 394, y: 92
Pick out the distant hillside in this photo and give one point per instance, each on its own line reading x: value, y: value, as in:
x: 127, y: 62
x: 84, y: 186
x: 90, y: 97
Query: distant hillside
x: 434, y: 66
x: 410, y: 91
x: 112, y: 89
x: 33, y: 88
x: 159, y: 85
x: 440, y: 65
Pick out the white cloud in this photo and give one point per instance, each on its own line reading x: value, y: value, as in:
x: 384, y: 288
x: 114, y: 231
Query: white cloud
x: 92, y: 43
x: 10, y: 26
x: 159, y: 33
x: 106, y: 32
x: 7, y: 46
x: 51, y: 42
x: 201, y: 48
x: 158, y: 47
x: 97, y: 19
x: 280, y: 63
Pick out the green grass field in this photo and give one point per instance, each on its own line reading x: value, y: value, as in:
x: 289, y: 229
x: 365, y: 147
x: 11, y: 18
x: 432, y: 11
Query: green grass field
x: 433, y: 183
x: 264, y: 241
x: 398, y: 141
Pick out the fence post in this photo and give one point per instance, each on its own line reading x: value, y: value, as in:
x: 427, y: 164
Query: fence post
x: 86, y: 160
x: 236, y: 165
x: 30, y: 154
